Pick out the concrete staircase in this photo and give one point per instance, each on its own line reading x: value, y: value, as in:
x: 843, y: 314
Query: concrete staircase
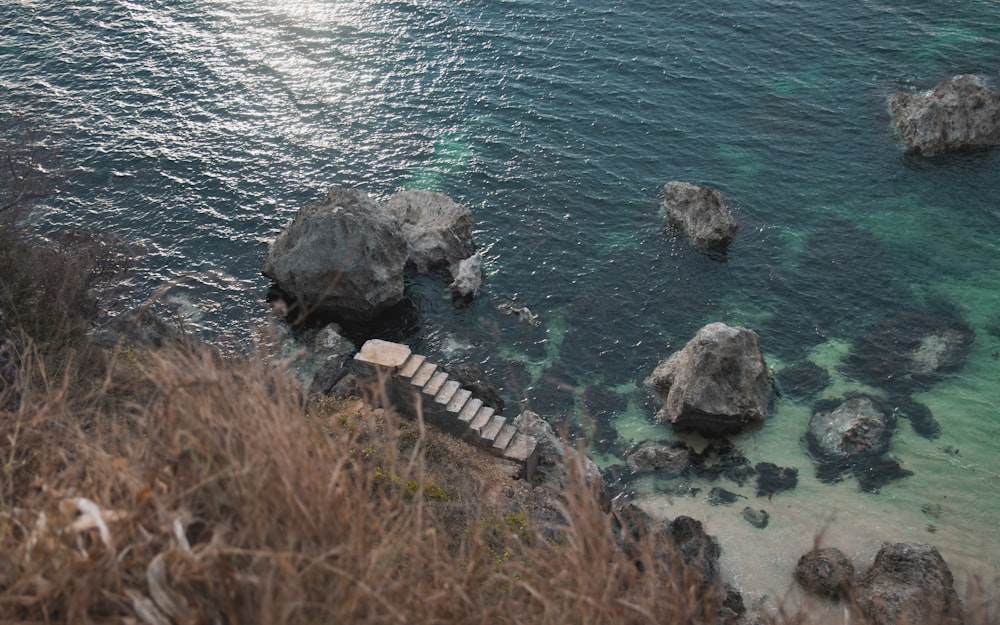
x: 416, y: 386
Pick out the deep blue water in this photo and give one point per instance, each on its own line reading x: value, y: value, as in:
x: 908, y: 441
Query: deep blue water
x: 198, y: 127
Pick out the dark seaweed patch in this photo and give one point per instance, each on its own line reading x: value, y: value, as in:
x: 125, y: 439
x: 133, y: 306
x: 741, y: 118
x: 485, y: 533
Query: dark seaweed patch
x: 773, y: 479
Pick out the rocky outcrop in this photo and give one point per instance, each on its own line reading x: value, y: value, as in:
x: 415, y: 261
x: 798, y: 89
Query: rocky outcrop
x: 909, y: 583
x: 852, y: 435
x: 555, y: 459
x: 826, y: 572
x: 700, y: 214
x: 669, y: 459
x: 341, y: 255
x: 854, y: 428
x: 958, y: 114
x: 438, y: 230
x: 716, y: 384
x: 467, y: 277
x: 331, y: 353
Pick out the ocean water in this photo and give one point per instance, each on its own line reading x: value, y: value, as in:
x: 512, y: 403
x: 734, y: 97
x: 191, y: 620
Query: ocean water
x: 196, y: 128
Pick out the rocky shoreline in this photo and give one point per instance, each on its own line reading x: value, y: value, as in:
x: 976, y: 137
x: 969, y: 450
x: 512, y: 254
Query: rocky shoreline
x: 346, y: 256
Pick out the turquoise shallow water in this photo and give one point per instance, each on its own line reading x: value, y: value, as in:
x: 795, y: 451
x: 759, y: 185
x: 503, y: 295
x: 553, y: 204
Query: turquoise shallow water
x: 199, y: 127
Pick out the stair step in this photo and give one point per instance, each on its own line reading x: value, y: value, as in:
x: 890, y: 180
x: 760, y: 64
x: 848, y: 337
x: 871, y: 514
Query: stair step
x: 447, y: 392
x: 435, y: 383
x: 482, y: 417
x: 468, y: 412
x: 503, y: 439
x: 423, y: 374
x: 521, y: 448
x: 489, y: 432
x: 411, y: 365
x: 458, y: 400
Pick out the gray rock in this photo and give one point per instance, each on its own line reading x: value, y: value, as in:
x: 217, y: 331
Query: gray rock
x: 331, y: 353
x: 438, y: 230
x: 855, y: 428
x: 826, y: 572
x: 959, y: 113
x: 341, y: 255
x: 716, y: 384
x: 650, y: 456
x: 757, y: 518
x: 700, y: 213
x: 909, y: 584
x: 467, y: 276
x: 555, y: 457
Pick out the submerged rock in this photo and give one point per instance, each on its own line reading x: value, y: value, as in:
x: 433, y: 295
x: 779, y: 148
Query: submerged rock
x: 909, y: 584
x: 853, y: 428
x: 671, y: 459
x: 959, y: 113
x: 720, y: 496
x: 826, y: 572
x: 803, y: 381
x: 438, y: 230
x: 920, y: 416
x: 853, y: 435
x: 700, y: 213
x: 757, y: 518
x: 341, y: 255
x: 773, y: 479
x: 910, y: 351
x: 716, y: 384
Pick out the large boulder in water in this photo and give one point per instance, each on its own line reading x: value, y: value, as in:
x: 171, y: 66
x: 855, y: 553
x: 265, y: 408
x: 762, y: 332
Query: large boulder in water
x: 438, y: 230
x: 341, y: 255
x: 700, y: 213
x: 716, y: 384
x: 959, y: 113
x: 909, y: 583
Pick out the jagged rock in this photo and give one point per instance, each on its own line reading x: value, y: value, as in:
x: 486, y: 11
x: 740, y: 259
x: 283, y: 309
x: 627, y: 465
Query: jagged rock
x: 341, y: 255
x: 959, y: 113
x: 331, y: 352
x: 438, y: 230
x: 700, y: 213
x: 827, y: 572
x: 854, y: 428
x: 684, y: 537
x: 716, y: 384
x: 699, y: 550
x: 650, y: 456
x: 909, y: 584
x: 757, y: 518
x: 467, y: 276
x: 555, y: 457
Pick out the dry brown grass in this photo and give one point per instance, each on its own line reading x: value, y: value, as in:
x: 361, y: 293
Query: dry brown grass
x: 220, y: 495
